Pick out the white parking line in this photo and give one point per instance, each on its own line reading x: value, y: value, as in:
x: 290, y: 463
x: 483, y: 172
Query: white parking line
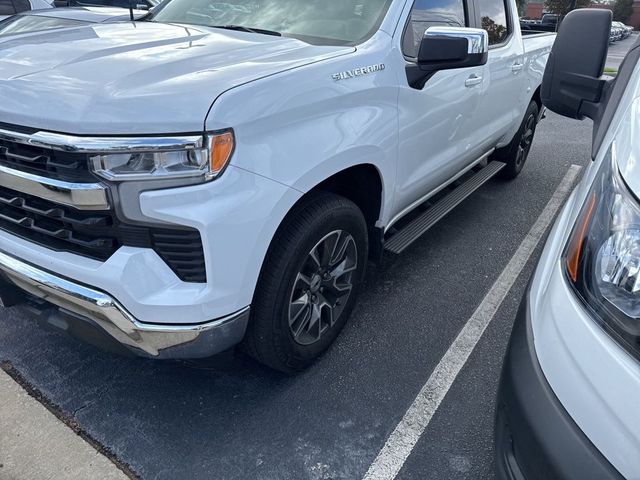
x: 407, y: 433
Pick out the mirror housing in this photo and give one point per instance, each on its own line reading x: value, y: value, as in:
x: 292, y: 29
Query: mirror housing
x: 445, y: 48
x: 572, y: 85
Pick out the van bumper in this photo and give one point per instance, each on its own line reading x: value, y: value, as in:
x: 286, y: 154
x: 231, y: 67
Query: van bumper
x: 535, y: 438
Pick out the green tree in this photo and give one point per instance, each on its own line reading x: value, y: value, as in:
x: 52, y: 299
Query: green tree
x: 562, y: 7
x: 522, y: 7
x: 622, y: 10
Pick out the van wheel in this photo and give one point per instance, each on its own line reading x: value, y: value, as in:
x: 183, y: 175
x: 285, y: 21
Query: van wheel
x: 308, y: 284
x: 515, y: 154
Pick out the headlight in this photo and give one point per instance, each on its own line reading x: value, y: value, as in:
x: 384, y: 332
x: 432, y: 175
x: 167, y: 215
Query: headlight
x: 207, y: 160
x: 602, y: 258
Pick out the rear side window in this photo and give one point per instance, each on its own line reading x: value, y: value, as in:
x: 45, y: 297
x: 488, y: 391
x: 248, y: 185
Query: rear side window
x: 6, y: 7
x: 431, y: 13
x: 494, y: 20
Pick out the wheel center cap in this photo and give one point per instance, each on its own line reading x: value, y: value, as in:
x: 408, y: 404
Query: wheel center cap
x: 315, y: 283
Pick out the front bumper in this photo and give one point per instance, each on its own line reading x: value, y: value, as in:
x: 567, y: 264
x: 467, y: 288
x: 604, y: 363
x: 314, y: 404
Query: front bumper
x: 107, y: 316
x: 535, y: 437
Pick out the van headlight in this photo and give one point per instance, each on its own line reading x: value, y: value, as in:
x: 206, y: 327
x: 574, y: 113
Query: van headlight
x: 602, y: 257
x: 206, y: 158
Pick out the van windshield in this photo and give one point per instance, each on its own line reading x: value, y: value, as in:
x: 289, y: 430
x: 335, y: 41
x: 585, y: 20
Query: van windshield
x: 330, y: 22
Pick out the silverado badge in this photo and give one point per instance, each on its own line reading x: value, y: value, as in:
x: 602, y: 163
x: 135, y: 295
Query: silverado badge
x: 358, y: 72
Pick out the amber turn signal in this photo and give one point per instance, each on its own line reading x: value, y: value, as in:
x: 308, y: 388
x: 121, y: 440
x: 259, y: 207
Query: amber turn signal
x: 577, y: 239
x: 221, y: 148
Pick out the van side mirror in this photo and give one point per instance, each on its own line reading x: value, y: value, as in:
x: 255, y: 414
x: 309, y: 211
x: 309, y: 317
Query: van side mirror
x: 445, y: 48
x: 572, y: 84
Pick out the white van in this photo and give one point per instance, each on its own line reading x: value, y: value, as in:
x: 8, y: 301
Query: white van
x: 569, y: 401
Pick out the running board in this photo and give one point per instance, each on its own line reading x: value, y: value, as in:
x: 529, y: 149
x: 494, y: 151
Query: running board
x: 414, y: 230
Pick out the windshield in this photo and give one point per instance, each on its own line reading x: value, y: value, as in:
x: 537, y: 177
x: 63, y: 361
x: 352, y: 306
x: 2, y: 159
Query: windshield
x: 34, y: 23
x: 335, y: 22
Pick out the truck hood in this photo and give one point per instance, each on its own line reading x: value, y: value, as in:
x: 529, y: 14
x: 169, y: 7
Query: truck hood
x: 135, y: 78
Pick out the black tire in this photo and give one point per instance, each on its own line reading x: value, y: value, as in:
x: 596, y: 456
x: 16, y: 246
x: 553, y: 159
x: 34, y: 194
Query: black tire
x: 515, y: 154
x: 271, y: 336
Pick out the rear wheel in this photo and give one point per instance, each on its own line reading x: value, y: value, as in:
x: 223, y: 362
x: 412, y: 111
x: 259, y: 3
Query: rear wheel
x: 515, y: 154
x: 309, y: 283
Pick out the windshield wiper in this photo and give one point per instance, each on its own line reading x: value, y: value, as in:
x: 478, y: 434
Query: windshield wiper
x: 241, y: 28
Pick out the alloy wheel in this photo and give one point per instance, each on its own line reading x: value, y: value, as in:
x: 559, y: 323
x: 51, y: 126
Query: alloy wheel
x: 322, y: 287
x: 526, y: 140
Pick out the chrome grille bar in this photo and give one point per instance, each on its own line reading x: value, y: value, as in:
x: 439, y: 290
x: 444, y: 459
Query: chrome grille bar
x: 77, y: 144
x: 83, y: 196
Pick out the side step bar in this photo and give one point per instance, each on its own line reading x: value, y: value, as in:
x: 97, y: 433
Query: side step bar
x: 417, y: 227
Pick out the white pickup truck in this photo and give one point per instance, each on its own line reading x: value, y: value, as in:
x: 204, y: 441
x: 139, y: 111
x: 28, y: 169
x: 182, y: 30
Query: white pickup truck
x: 221, y: 172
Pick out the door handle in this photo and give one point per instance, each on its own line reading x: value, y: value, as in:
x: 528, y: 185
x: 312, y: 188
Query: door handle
x: 472, y: 81
x: 517, y: 67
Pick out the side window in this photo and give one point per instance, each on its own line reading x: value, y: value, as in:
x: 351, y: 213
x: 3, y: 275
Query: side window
x: 431, y: 13
x: 21, y: 5
x: 494, y: 20
x: 6, y: 7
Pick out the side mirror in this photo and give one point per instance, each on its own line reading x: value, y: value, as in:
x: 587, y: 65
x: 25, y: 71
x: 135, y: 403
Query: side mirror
x: 445, y: 48
x: 572, y: 85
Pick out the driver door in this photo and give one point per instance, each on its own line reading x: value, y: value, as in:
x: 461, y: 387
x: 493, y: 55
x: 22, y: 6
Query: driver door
x: 438, y: 122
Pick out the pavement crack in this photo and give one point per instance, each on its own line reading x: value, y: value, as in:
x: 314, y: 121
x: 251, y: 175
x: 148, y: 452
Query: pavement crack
x: 98, y: 393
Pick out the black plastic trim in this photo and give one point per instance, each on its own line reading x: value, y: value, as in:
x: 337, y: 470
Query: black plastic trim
x: 99, y: 234
x: 535, y: 436
x: 613, y: 95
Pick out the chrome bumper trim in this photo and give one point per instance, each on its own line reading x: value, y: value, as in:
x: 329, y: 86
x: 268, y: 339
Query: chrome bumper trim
x: 144, y: 339
x: 78, y: 144
x: 83, y: 196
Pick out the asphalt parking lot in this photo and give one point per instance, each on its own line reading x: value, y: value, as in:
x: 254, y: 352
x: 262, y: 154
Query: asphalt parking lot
x: 618, y: 50
x: 229, y: 418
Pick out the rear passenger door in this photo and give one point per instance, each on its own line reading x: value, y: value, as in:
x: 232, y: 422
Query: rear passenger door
x: 502, y: 100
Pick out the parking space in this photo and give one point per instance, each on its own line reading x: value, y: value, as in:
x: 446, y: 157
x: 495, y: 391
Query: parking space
x: 230, y: 418
x: 618, y: 50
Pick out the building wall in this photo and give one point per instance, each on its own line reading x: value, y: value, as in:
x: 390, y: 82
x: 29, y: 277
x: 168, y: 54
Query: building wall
x: 534, y: 10
x: 634, y: 20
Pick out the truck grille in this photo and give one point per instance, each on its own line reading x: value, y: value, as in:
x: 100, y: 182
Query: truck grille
x: 97, y: 234
x: 65, y: 166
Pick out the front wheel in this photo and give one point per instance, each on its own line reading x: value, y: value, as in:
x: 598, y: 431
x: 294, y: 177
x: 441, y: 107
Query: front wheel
x: 309, y: 283
x: 515, y: 154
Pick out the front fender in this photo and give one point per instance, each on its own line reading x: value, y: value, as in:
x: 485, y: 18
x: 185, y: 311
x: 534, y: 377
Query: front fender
x: 301, y: 126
